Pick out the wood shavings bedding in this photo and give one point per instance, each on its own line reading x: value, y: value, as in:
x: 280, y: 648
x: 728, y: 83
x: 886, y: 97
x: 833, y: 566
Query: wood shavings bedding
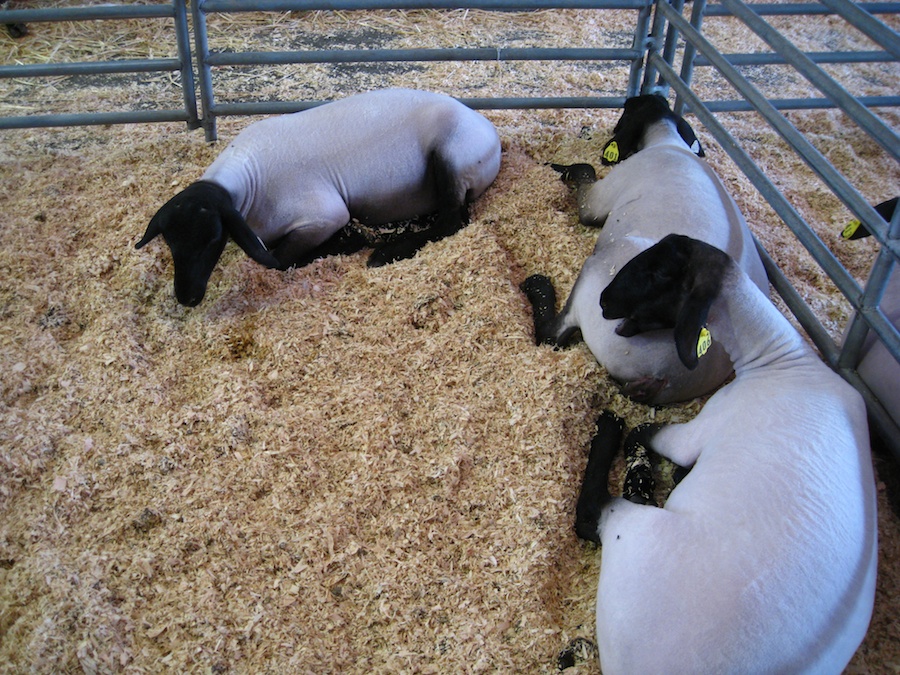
x: 332, y: 469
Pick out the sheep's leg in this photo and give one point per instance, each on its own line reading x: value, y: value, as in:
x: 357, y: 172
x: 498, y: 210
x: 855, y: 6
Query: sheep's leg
x: 549, y: 328
x: 542, y: 296
x: 446, y: 223
x: 594, y: 493
x: 581, y: 178
x: 639, y: 484
x: 293, y: 250
x: 451, y: 216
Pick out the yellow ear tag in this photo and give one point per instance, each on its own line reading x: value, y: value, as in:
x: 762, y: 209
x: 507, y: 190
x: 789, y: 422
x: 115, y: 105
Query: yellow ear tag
x: 851, y: 229
x: 704, y: 342
x: 611, y: 152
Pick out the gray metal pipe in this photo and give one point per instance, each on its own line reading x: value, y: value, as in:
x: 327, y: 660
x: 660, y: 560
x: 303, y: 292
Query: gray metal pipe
x: 381, y: 55
x: 510, y: 103
x: 100, y: 12
x: 800, y: 103
x: 91, y: 68
x: 813, y: 158
x: 815, y: 57
x: 90, y: 119
x: 233, y: 6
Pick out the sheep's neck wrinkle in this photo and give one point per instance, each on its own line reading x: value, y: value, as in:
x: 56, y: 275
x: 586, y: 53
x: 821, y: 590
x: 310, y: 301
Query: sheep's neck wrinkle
x: 752, y: 330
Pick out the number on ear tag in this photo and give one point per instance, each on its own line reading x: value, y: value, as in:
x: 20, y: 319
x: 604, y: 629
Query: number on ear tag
x: 851, y: 229
x: 611, y: 152
x: 704, y: 342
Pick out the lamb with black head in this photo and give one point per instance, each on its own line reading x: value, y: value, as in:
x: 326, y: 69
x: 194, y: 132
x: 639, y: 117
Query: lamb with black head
x: 286, y: 188
x: 763, y: 558
x: 659, y: 185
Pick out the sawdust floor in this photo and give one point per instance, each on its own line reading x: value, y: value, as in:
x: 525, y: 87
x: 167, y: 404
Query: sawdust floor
x: 335, y: 468
x: 332, y: 469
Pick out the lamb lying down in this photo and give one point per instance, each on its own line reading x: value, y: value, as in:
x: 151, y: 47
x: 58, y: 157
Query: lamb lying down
x: 292, y: 183
x: 660, y: 186
x: 763, y: 558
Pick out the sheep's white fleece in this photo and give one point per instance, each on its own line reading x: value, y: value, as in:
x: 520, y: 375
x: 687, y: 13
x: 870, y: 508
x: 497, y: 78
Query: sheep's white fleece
x: 662, y: 189
x: 365, y: 155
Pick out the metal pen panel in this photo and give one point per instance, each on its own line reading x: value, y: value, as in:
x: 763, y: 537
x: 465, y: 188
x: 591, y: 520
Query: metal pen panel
x: 183, y: 65
x: 826, y: 84
x: 208, y: 59
x: 813, y: 158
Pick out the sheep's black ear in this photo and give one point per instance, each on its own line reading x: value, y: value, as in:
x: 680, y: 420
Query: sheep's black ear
x: 706, y: 265
x: 153, y: 229
x: 623, y: 144
x: 856, y: 230
x: 689, y: 137
x: 611, y: 152
x: 245, y: 237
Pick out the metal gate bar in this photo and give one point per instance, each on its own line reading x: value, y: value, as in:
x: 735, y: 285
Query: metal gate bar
x: 207, y: 60
x: 175, y: 11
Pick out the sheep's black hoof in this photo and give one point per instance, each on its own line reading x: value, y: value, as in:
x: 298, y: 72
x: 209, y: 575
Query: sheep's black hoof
x: 537, y: 286
x: 574, y: 175
x: 638, y: 485
x: 579, y: 650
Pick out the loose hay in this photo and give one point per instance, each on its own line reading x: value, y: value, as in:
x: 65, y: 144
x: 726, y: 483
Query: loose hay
x: 332, y: 469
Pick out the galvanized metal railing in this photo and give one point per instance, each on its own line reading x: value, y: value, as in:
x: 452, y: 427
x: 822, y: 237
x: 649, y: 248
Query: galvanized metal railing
x: 660, y: 74
x: 175, y: 11
x: 207, y: 60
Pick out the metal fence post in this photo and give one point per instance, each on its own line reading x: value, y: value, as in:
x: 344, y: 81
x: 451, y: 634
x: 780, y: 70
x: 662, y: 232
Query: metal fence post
x: 204, y: 72
x: 187, y: 69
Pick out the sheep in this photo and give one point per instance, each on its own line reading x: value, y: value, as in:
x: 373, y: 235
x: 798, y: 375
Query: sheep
x: 877, y: 367
x: 293, y: 182
x: 763, y: 558
x: 660, y: 186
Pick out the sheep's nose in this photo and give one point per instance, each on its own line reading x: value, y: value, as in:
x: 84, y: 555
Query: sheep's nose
x: 191, y: 300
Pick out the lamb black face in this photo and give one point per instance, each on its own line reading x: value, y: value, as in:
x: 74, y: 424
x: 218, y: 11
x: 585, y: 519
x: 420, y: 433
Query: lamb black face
x: 196, y: 224
x: 194, y: 267
x: 648, y: 291
x: 639, y: 114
